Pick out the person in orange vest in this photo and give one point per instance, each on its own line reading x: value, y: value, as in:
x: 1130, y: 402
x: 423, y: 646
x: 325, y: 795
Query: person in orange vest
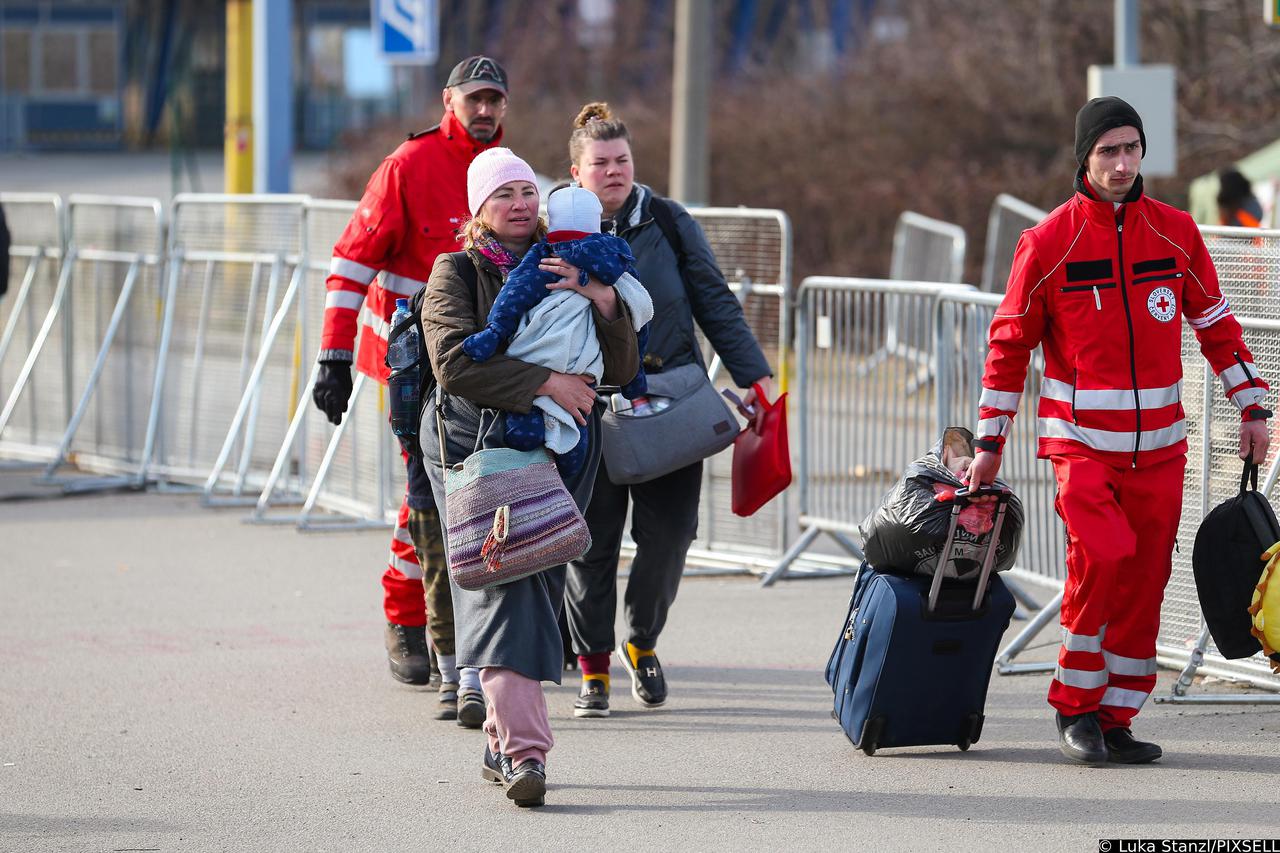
x: 1237, y: 205
x: 411, y: 211
x: 1100, y: 286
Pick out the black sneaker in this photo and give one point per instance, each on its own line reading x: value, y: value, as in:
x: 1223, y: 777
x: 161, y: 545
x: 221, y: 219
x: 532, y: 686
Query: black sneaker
x: 408, y: 654
x: 496, y: 768
x: 593, y: 699
x: 648, y: 686
x: 1122, y: 748
x: 527, y: 785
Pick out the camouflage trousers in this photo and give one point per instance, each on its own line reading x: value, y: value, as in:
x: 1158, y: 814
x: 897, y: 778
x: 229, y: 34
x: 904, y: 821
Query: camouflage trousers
x: 428, y: 544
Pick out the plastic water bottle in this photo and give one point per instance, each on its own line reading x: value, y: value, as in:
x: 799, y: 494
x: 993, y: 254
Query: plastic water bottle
x: 403, y: 355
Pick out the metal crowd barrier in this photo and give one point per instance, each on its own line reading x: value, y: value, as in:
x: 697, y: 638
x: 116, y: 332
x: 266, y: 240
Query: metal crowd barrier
x: 924, y: 249
x: 1009, y: 217
x: 298, y: 459
x: 861, y: 413
x: 352, y: 475
x: 32, y: 424
x: 114, y: 263
x: 754, y: 250
x: 233, y: 268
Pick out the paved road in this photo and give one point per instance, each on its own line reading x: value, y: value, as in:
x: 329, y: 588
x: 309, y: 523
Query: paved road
x: 175, y: 680
x: 139, y: 173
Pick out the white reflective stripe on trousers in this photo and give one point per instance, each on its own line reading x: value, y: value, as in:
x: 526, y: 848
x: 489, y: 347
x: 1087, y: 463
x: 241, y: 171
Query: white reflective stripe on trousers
x: 408, y: 568
x: 1119, y: 697
x: 1120, y: 665
x: 1085, y: 679
x: 1083, y: 642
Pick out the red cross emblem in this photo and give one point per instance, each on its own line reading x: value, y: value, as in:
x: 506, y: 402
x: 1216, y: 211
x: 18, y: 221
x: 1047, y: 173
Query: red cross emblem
x: 1162, y: 304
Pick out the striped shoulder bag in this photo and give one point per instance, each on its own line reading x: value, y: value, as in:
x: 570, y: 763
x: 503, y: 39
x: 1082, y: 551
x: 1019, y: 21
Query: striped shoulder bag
x: 508, y: 515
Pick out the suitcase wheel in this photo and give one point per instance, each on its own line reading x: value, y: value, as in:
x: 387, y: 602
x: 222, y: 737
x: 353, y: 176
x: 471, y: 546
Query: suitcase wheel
x: 973, y: 730
x: 872, y: 729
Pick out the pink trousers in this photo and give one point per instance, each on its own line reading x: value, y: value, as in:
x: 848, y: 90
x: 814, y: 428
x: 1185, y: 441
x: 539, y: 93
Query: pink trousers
x: 517, y: 722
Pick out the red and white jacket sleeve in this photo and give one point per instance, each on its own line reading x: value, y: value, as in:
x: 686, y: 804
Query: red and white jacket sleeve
x: 1219, y: 333
x: 360, y: 254
x: 1016, y: 330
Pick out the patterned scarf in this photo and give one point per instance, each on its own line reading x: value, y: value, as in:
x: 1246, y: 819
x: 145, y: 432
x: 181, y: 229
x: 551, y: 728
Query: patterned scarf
x: 501, y: 256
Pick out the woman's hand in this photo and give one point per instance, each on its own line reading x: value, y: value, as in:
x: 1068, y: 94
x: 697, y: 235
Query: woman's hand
x: 766, y: 385
x: 572, y: 392
x: 604, y: 297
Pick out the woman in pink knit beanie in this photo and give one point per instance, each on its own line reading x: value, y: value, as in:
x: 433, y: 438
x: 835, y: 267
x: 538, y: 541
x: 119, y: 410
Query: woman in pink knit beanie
x: 510, y: 632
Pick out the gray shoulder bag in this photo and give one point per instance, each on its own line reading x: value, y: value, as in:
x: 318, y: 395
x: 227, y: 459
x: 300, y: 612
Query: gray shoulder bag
x: 696, y: 423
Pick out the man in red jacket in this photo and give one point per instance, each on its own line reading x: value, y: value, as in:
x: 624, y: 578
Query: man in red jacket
x: 411, y: 211
x: 1099, y: 285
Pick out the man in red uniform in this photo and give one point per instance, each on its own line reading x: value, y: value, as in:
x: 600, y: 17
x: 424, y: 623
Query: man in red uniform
x: 410, y: 213
x: 1099, y: 285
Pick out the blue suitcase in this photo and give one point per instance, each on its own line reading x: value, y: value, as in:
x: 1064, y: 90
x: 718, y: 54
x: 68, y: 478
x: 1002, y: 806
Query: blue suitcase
x: 913, y: 661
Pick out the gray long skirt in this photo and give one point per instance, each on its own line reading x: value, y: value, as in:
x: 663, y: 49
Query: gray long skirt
x: 515, y: 625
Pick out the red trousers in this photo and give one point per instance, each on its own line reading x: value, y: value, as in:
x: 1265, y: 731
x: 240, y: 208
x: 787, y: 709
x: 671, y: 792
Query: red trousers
x: 1121, y: 526
x: 417, y: 575
x: 402, y: 596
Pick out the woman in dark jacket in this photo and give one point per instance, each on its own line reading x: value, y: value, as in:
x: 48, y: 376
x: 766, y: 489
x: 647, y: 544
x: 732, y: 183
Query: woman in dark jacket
x: 510, y: 632
x: 686, y: 287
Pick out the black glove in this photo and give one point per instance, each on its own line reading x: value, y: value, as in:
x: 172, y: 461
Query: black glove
x: 333, y: 389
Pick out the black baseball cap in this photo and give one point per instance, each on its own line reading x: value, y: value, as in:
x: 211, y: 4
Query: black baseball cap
x: 475, y: 73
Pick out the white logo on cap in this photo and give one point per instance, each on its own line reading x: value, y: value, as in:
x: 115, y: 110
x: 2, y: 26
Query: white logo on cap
x: 1162, y: 304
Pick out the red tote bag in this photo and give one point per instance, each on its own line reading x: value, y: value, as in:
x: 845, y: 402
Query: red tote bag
x: 761, y: 456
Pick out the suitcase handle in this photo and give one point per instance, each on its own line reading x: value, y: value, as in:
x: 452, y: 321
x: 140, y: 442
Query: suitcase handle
x: 965, y: 495
x: 960, y: 499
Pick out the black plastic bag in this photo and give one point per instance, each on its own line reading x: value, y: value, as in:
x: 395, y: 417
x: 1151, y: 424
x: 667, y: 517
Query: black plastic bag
x: 905, y: 534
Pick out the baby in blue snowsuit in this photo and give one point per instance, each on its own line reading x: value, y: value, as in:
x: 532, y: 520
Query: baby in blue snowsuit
x: 574, y: 235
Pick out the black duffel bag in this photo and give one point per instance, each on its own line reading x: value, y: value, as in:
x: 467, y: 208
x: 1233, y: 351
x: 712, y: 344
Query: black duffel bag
x: 907, y: 531
x: 1227, y: 562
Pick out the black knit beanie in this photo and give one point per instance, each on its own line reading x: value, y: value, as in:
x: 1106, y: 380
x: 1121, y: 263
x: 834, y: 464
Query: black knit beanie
x: 1100, y: 115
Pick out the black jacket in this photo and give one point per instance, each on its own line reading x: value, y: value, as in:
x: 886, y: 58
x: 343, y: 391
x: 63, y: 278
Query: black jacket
x: 707, y: 298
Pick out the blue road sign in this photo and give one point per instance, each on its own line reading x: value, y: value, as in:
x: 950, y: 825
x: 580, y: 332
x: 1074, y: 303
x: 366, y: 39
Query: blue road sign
x: 406, y: 31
